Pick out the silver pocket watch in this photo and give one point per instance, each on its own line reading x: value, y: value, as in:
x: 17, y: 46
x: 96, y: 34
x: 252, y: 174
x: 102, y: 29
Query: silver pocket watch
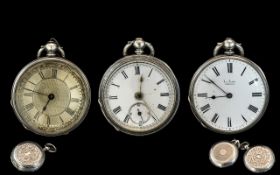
x: 51, y: 95
x: 228, y: 93
x: 29, y: 156
x: 139, y: 94
x: 257, y: 159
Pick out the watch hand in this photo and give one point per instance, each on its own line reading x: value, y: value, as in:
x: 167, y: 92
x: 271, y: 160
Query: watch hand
x: 214, y: 97
x: 140, y: 114
x: 50, y: 97
x: 139, y: 95
x: 36, y: 92
x: 141, y: 80
x: 216, y: 85
x: 150, y: 110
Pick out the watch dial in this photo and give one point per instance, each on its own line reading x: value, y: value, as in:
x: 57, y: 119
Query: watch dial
x: 51, y: 97
x: 229, y: 95
x: 140, y: 97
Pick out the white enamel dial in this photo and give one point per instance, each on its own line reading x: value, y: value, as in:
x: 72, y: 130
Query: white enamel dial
x: 229, y: 94
x: 139, y: 96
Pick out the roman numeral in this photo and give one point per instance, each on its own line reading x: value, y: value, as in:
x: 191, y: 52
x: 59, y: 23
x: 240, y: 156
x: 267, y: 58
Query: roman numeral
x: 126, y: 119
x: 41, y: 75
x: 117, y: 109
x: 244, y: 118
x: 113, y: 97
x: 253, y: 108
x: 243, y: 71
x: 31, y: 82
x: 205, y: 108
x: 251, y: 82
x: 229, y: 67
x: 256, y: 94
x: 216, y: 71
x: 74, y: 87
x: 115, y: 85
x: 37, y: 115
x: 137, y: 70
x: 54, y: 73
x: 70, y: 111
x: 160, y: 81
x: 206, y: 81
x: 229, y: 122
x: 66, y: 77
x: 75, y: 100
x: 215, y: 118
x: 164, y: 94
x: 202, y: 95
x: 154, y: 117
x: 124, y: 75
x: 150, y: 72
x: 29, y: 94
x: 48, y: 121
x: 61, y: 119
x: 161, y: 107
x: 29, y: 106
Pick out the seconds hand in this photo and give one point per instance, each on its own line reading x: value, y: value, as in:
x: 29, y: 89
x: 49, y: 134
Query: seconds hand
x: 140, y: 114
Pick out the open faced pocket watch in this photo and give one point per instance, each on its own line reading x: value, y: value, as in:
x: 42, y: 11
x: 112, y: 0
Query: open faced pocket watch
x: 51, y: 95
x: 228, y: 93
x: 139, y: 94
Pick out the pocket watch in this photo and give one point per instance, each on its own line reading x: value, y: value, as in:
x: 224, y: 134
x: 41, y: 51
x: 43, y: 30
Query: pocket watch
x: 228, y: 93
x: 51, y: 95
x: 257, y: 159
x: 223, y: 154
x: 139, y: 93
x: 29, y: 156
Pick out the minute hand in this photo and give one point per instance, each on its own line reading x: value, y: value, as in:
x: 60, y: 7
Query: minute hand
x: 216, y: 85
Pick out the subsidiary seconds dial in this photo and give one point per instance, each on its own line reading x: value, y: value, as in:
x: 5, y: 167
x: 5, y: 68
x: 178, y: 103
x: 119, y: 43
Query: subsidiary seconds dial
x: 139, y: 94
x: 229, y: 93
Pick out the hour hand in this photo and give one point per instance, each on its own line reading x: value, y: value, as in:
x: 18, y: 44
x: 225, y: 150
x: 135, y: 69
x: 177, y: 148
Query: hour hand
x: 215, y: 96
